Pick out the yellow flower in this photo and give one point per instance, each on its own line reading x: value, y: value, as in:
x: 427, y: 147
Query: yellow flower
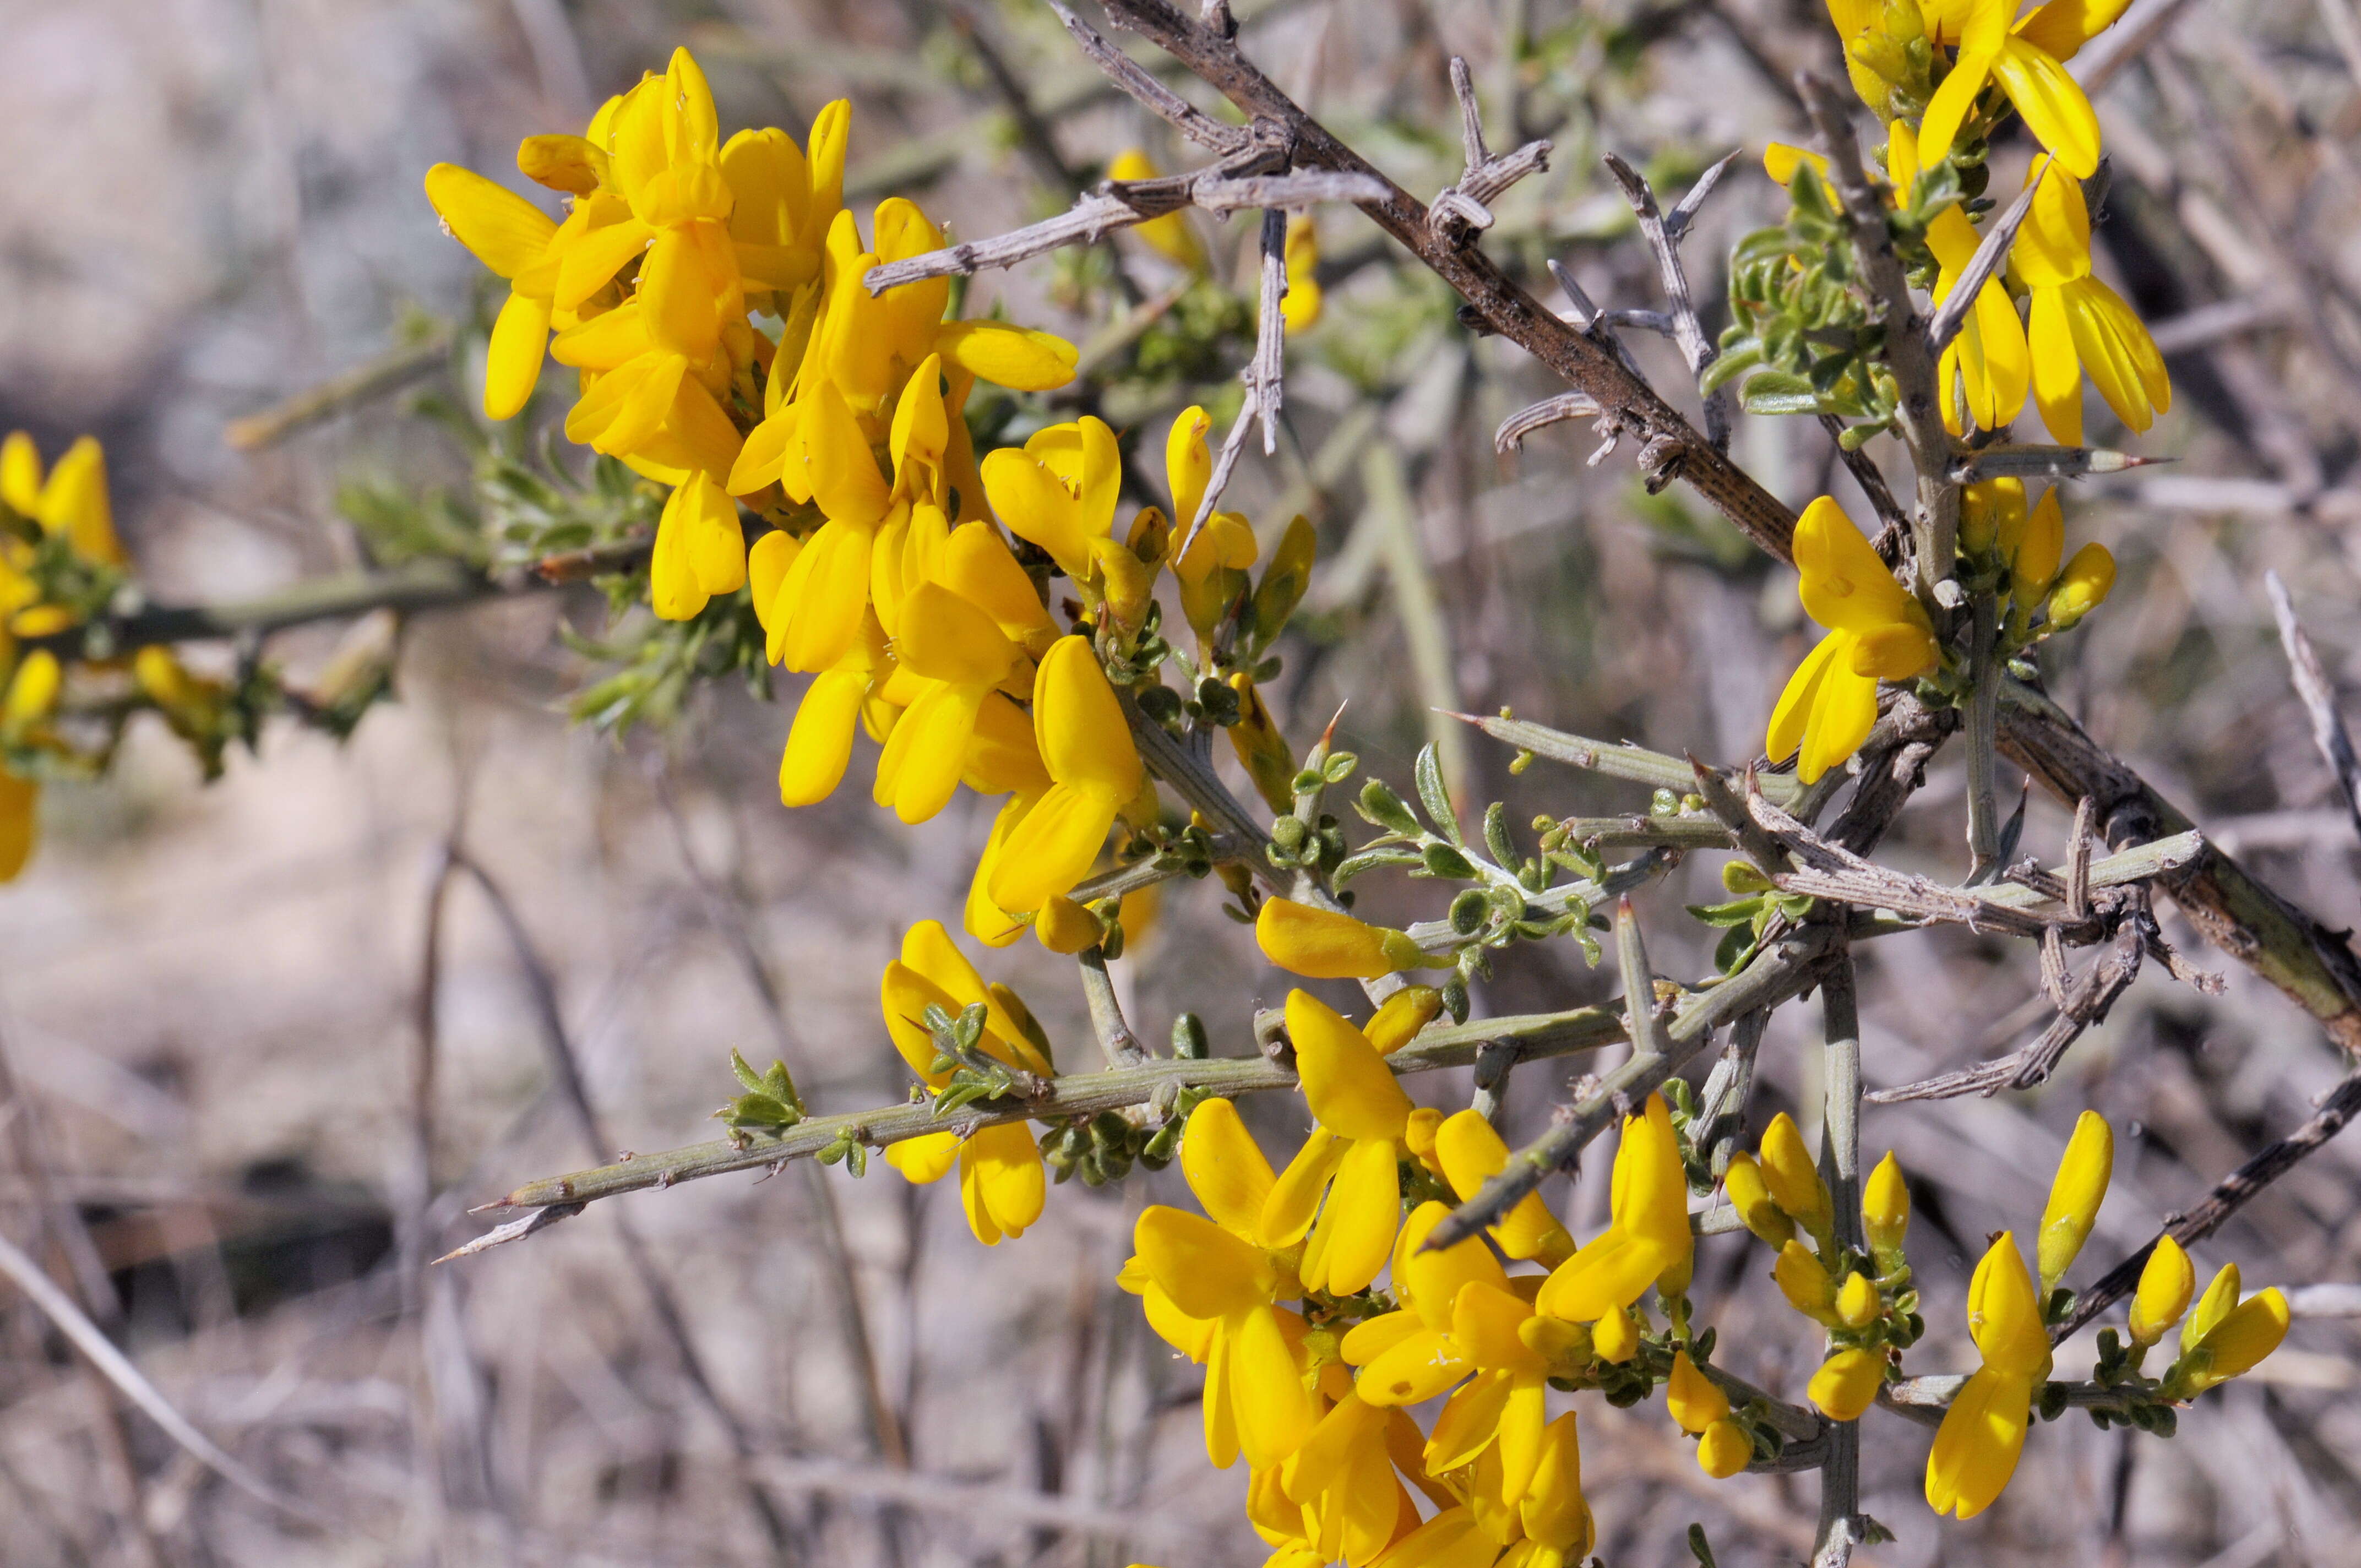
x: 1407, y: 1356
x: 1351, y: 1156
x: 1095, y: 771
x: 1648, y: 1234
x: 1846, y: 1383
x: 1169, y: 235
x: 2225, y: 1337
x: 700, y: 550
x: 1858, y: 1303
x: 1701, y: 1409
x: 521, y: 244
x: 1065, y: 926
x: 1976, y: 1449
x: 71, y: 501
x: 1255, y: 1400
x: 1515, y: 1351
x: 1555, y: 1517
x: 1343, y: 1477
x: 959, y: 659
x: 1988, y: 356
x: 2075, y: 1193
x: 819, y: 743
x: 2076, y: 326
x: 1750, y: 1195
x: 1002, y: 1185
x: 1328, y: 944
x: 1401, y: 1016
x: 1876, y: 631
x: 1301, y: 306
x: 2166, y: 1284
x: 2083, y: 585
x: 1059, y: 490
x: 2052, y: 104
x: 1471, y: 1153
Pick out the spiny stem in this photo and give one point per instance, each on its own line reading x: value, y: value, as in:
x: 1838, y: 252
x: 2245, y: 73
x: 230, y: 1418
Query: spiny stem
x: 1983, y: 719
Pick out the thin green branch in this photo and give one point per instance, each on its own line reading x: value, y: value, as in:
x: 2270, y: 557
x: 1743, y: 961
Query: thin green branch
x: 1072, y: 1095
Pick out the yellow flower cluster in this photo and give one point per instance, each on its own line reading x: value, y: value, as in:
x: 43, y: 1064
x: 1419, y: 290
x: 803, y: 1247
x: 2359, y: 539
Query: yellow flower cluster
x: 1266, y: 1287
x: 61, y: 521
x: 2042, y: 328
x: 675, y: 243
x: 2075, y: 326
x: 1866, y: 1303
x: 1878, y: 630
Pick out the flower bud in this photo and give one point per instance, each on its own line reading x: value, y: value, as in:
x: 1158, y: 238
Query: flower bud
x: 1326, y: 944
x: 1885, y: 1209
x: 2089, y: 578
x: 1695, y: 1400
x: 2037, y: 553
x: 1804, y: 1283
x: 1752, y: 1199
x: 1401, y: 1016
x: 1858, y: 1304
x: 1065, y: 926
x: 1418, y: 1137
x: 33, y: 689
x: 1724, y: 1450
x: 2165, y: 1285
x: 2075, y: 1194
x: 1847, y: 1383
x: 1615, y: 1336
x: 1792, y: 1178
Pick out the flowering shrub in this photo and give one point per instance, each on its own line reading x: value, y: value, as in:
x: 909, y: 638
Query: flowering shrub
x: 1397, y: 1330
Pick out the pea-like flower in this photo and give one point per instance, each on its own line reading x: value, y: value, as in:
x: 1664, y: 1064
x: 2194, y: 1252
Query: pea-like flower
x: 1982, y: 1433
x: 2225, y: 1337
x: 1328, y: 944
x: 1471, y: 1153
x: 2021, y: 60
x: 1094, y: 776
x: 1002, y: 1185
x: 1876, y: 631
x: 2166, y: 1282
x: 2076, y: 326
x: 1214, y: 1293
x: 2075, y: 1194
x: 1350, y: 1158
x: 1647, y: 1237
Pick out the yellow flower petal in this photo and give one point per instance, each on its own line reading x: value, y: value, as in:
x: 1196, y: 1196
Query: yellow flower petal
x: 819, y: 743
x: 1208, y: 1272
x: 1976, y: 1449
x: 1354, y: 1233
x: 925, y: 1159
x: 506, y: 233
x: 2005, y: 1313
x: 1346, y: 1082
x: 1018, y: 358
x: 1225, y: 1169
x: 1328, y: 944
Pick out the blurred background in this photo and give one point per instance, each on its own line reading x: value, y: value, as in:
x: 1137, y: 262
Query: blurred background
x: 219, y: 1003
